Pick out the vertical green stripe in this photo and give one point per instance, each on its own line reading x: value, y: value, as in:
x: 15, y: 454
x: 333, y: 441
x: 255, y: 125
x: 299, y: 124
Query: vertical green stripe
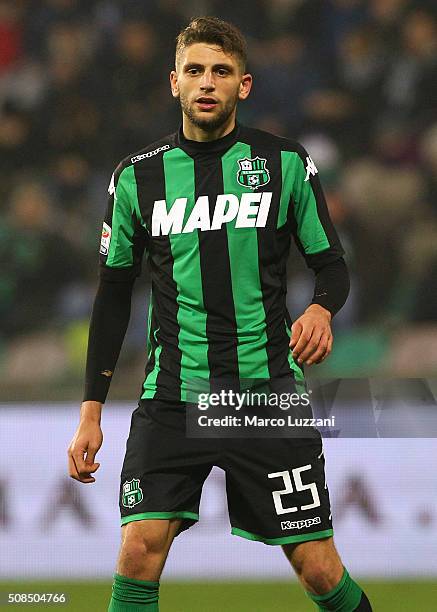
x: 288, y: 160
x: 149, y: 327
x: 309, y: 227
x: 298, y: 374
x: 149, y: 384
x: 193, y: 343
x: 246, y: 283
x: 125, y: 203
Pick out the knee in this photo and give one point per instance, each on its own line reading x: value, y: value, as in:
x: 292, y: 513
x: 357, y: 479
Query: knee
x: 317, y: 565
x: 138, y: 543
x: 320, y: 576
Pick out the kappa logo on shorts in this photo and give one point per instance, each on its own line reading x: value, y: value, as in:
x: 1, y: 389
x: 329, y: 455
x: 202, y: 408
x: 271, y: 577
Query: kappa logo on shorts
x: 132, y: 493
x: 301, y: 524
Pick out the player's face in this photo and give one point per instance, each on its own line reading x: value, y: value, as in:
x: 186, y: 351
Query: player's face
x: 209, y: 84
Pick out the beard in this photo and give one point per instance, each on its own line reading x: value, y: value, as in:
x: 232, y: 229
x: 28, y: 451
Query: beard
x: 208, y: 122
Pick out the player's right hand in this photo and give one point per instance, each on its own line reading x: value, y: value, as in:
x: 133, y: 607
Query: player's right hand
x: 82, y: 451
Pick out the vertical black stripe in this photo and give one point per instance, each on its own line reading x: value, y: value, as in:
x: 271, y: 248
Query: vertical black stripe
x: 153, y: 325
x: 151, y: 186
x: 272, y: 269
x: 221, y: 326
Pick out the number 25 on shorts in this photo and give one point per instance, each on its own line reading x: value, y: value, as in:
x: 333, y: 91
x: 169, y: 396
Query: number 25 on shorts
x: 299, y: 486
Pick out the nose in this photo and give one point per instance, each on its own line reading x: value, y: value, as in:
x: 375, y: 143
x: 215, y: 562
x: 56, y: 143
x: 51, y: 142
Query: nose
x: 207, y: 81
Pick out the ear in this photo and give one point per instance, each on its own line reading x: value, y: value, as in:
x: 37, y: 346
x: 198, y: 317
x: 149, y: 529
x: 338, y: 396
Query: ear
x: 174, y: 84
x: 245, y: 86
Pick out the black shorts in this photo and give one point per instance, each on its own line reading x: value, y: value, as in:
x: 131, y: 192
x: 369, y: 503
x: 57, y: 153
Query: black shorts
x: 276, y: 488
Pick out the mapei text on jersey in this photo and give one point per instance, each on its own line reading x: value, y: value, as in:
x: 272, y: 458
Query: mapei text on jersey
x: 249, y: 211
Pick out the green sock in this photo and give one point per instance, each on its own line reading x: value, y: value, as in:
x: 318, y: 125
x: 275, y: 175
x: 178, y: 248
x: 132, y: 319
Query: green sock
x: 131, y: 595
x: 345, y: 597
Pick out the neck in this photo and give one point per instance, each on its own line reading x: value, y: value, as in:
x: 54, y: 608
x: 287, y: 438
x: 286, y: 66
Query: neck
x: 194, y: 132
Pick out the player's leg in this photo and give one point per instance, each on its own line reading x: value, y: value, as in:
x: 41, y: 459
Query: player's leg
x: 143, y: 552
x: 277, y: 494
x: 316, y: 563
x: 324, y: 578
x: 161, y: 483
x: 144, y: 547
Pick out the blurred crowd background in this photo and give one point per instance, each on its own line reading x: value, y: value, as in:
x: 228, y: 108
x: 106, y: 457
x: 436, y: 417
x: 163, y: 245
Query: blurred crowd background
x: 84, y: 83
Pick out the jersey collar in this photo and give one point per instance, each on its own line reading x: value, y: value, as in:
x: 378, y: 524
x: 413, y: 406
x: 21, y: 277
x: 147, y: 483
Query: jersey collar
x: 220, y: 145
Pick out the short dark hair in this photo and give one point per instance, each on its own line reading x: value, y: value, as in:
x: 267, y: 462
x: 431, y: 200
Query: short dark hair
x: 214, y: 31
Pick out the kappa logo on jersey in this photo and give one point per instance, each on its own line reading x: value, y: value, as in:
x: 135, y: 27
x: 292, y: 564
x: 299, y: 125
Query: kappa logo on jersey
x: 105, y: 239
x: 310, y: 168
x: 137, y: 158
x: 253, y: 172
x: 132, y: 493
x: 111, y: 188
x: 251, y: 211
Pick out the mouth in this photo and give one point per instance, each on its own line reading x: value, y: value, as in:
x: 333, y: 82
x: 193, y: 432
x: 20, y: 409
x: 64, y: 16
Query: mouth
x: 206, y: 103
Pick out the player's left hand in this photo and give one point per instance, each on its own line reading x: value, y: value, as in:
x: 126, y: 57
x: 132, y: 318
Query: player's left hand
x: 311, y: 335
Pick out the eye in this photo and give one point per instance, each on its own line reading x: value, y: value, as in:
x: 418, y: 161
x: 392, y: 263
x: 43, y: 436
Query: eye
x: 222, y: 72
x: 193, y: 71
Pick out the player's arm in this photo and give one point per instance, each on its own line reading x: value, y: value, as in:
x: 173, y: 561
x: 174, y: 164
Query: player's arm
x: 122, y: 246
x: 315, y: 236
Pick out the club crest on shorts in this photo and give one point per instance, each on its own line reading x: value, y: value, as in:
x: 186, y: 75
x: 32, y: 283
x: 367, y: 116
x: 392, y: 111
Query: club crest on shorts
x: 132, y: 493
x: 253, y: 172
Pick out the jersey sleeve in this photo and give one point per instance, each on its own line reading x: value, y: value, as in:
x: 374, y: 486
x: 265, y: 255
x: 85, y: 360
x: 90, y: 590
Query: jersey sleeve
x: 124, y: 238
x: 312, y: 228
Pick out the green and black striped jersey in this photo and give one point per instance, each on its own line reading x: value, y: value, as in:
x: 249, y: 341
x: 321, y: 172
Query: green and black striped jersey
x: 214, y: 221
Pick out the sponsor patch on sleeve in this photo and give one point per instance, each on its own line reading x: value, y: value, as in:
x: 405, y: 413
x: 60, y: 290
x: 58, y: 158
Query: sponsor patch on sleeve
x: 106, y: 239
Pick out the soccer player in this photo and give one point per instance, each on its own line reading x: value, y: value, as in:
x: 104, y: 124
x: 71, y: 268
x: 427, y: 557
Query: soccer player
x: 214, y: 206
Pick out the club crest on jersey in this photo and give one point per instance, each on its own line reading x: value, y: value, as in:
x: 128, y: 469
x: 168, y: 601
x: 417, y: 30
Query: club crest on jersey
x: 253, y: 172
x: 132, y: 493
